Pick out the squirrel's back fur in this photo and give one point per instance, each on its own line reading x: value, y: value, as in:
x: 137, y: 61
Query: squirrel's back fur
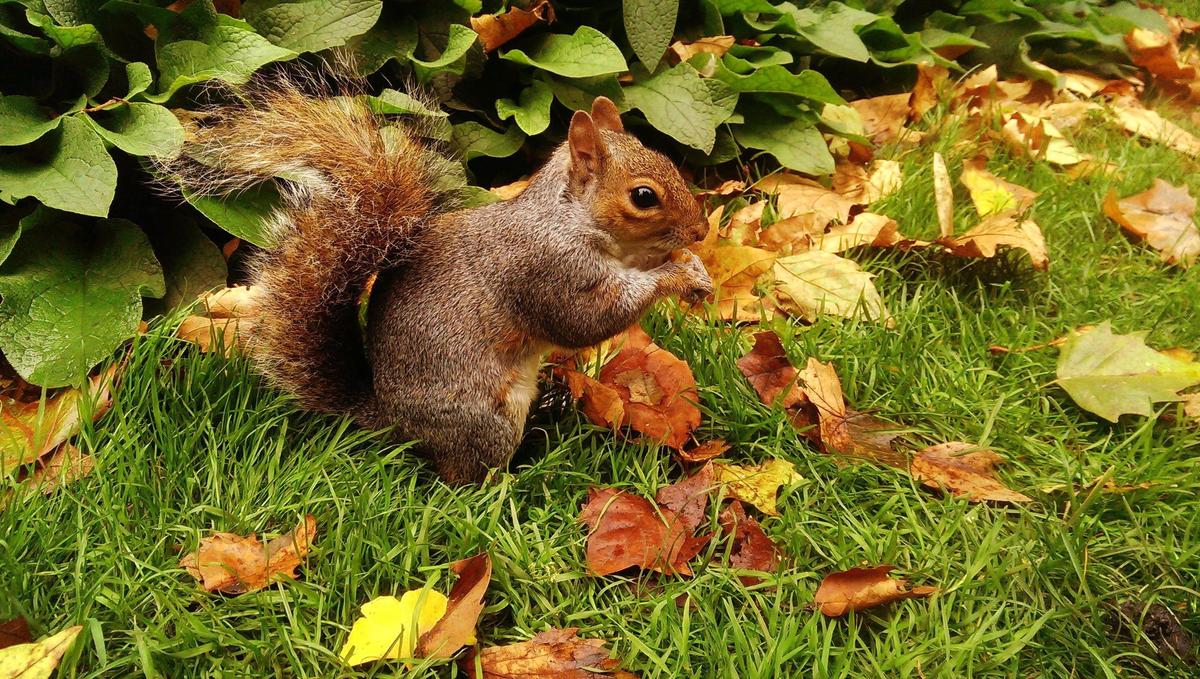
x: 354, y: 194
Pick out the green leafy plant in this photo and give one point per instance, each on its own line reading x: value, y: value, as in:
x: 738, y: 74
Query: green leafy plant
x: 93, y: 88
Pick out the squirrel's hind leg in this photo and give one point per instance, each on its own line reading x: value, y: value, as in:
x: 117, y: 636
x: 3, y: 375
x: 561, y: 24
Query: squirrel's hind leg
x: 463, y: 441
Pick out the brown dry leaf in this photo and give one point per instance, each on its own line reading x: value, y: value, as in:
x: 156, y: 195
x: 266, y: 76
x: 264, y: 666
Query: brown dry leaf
x: 553, y: 654
x: 13, y: 632
x: 963, y: 470
x: 1001, y: 230
x: 862, y: 588
x: 991, y: 194
x: 30, y: 430
x: 931, y: 80
x: 626, y: 531
x: 1163, y: 216
x: 716, y: 45
x: 457, y: 627
x: 867, y: 228
x: 212, y: 334
x: 496, y: 29
x: 1040, y: 139
x: 883, y: 117
x: 757, y: 485
x: 770, y: 372
x: 688, y: 497
x: 601, y: 404
x: 239, y: 301
x: 510, y: 191
x: 235, y: 564
x: 663, y: 407
x: 705, y: 451
x: 864, y: 186
x: 943, y: 193
x: 1191, y: 406
x: 795, y: 196
x: 66, y: 465
x: 1159, y: 54
x: 841, y: 430
x: 752, y: 549
x: 1141, y: 121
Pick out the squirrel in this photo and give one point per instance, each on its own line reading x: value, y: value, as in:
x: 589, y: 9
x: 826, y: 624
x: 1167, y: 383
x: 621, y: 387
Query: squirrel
x: 466, y: 302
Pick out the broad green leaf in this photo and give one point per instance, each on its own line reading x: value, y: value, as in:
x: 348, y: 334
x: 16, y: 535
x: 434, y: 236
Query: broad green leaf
x: 650, y: 25
x: 22, y: 121
x: 460, y: 40
x: 12, y: 31
x: 578, y: 94
x: 215, y: 47
x: 191, y: 262
x: 66, y: 37
x: 532, y: 110
x: 728, y: 7
x: 67, y: 169
x: 139, y: 78
x: 395, y: 102
x: 681, y: 104
x: 242, y: 214
x: 1112, y: 375
x: 832, y: 29
x: 583, y: 54
x: 311, y: 25
x: 777, y: 79
x: 10, y: 231
x: 816, y: 283
x: 392, y: 37
x: 473, y: 140
x: 72, y: 292
x: 795, y: 144
x: 140, y: 129
x: 73, y: 12
x: 86, y: 67
x: 743, y: 59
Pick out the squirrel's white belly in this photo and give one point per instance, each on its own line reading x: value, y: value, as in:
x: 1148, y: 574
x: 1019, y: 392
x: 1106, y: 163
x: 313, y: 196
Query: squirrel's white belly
x: 523, y: 387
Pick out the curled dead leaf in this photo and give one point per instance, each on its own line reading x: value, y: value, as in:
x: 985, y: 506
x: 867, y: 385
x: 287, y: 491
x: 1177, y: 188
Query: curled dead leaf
x: 457, y: 626
x: 29, y: 430
x: 993, y: 195
x: 858, y: 589
x: 627, y: 531
x: 1164, y: 217
x: 1141, y: 121
x: 883, y: 117
x: 553, y: 654
x: 770, y: 372
x: 705, y: 451
x: 752, y: 549
x: 716, y: 45
x: 943, y: 193
x: 964, y: 470
x: 1001, y: 230
x: 496, y: 29
x: 236, y: 564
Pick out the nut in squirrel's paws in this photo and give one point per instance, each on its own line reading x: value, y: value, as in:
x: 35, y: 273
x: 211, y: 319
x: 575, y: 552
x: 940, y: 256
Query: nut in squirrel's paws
x: 697, y: 283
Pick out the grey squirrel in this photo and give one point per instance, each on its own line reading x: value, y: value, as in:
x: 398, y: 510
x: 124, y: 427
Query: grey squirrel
x: 466, y: 301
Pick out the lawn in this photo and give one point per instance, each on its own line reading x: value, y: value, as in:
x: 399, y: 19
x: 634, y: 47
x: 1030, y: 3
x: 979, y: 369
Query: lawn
x: 196, y: 443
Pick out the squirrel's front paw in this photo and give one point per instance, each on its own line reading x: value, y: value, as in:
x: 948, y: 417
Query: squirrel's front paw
x: 696, y: 283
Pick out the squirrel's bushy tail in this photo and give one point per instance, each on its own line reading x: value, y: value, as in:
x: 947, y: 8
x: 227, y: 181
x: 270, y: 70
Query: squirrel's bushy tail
x: 355, y: 190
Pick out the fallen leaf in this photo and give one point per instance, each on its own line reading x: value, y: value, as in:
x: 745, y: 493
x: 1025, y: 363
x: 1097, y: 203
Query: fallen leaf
x: 13, y: 632
x: 1112, y: 375
x: 239, y: 301
x: 931, y: 81
x: 991, y: 194
x: 823, y: 388
x: 30, y: 430
x: 735, y: 271
x: 227, y: 334
x: 943, y: 194
x: 864, y: 186
x: 1141, y: 121
x: 688, y: 497
x: 858, y: 589
x: 751, y: 549
x: 1163, y: 216
x: 236, y: 564
x: 385, y: 630
x: 37, y: 660
x: 997, y: 231
x: 510, y: 191
x: 1191, y: 406
x: 1040, y: 139
x: 757, y: 485
x: 730, y: 187
x: 705, y: 451
x: 497, y: 29
x: 770, y: 372
x: 553, y: 654
x: 457, y: 626
x: 716, y: 45
x: 1158, y: 53
x: 643, y: 387
x: 963, y: 470
x: 67, y: 465
x: 867, y: 228
x: 816, y: 282
x: 798, y: 196
x: 626, y: 531
x: 883, y: 117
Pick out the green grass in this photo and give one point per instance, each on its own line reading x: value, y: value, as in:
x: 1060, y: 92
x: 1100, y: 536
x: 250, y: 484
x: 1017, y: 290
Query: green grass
x: 195, y: 443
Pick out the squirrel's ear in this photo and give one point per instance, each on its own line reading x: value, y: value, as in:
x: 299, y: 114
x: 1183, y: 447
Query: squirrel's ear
x: 606, y: 115
x: 587, y: 149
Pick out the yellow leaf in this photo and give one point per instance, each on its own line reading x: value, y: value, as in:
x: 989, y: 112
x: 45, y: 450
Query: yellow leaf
x: 817, y: 282
x: 36, y: 660
x: 1143, y: 122
x: 943, y: 194
x: 991, y: 194
x: 756, y: 485
x: 386, y: 628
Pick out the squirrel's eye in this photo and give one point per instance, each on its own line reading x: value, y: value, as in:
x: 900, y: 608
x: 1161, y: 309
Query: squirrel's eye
x: 644, y: 197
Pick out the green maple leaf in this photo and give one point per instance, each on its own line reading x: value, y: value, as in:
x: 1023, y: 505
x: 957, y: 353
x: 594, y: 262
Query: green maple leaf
x: 1112, y: 375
